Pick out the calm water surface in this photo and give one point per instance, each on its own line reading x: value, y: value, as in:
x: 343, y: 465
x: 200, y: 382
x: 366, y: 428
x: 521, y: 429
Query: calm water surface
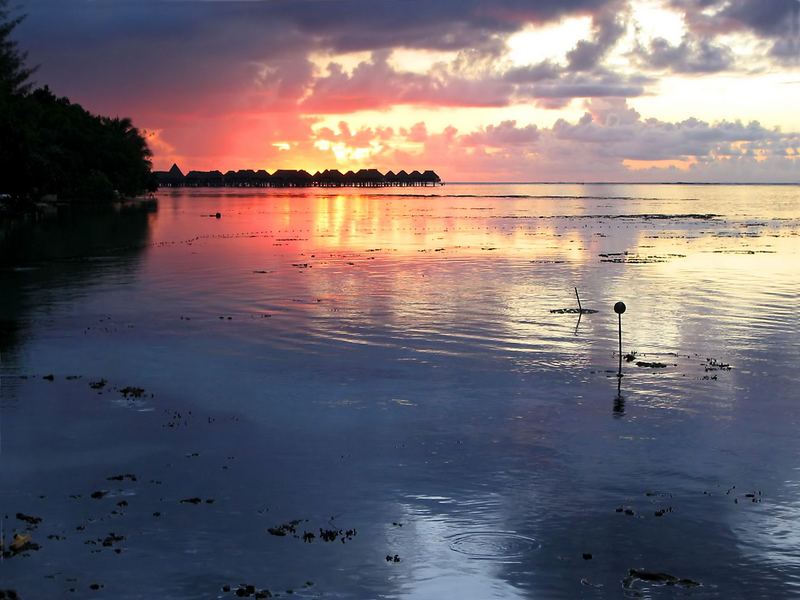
x: 388, y: 362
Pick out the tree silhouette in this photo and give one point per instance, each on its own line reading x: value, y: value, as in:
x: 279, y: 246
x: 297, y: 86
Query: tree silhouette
x: 49, y: 145
x: 14, y: 74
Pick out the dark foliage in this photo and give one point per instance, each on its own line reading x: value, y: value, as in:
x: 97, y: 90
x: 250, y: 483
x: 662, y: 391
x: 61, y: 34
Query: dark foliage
x: 14, y: 75
x: 49, y: 145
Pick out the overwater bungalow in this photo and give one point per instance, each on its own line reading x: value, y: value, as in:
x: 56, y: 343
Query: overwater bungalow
x: 172, y: 178
x: 204, y: 179
x: 291, y: 178
x: 294, y: 178
x: 329, y: 178
x: 430, y: 177
x: 369, y: 178
x: 262, y: 178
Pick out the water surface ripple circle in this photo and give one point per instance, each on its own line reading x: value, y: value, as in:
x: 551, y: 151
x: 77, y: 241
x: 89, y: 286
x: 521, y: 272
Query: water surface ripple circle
x: 501, y: 546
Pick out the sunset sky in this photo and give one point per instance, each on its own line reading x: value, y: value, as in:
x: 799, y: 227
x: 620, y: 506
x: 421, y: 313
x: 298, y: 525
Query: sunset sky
x: 501, y: 90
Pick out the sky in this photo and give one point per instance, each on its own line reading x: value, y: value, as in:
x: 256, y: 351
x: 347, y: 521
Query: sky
x: 478, y: 90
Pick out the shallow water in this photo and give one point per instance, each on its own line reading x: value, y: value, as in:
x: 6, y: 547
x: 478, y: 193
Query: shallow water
x: 388, y: 362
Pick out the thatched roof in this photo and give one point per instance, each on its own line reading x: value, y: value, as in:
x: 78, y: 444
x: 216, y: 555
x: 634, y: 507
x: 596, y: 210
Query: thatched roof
x: 369, y: 175
x: 292, y: 176
x: 195, y: 176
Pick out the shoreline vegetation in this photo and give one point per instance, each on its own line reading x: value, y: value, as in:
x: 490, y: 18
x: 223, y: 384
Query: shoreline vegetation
x: 54, y: 151
x: 295, y: 178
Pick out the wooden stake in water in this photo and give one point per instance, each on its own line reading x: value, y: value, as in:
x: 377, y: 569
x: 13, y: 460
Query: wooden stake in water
x: 619, y: 308
x: 580, y: 308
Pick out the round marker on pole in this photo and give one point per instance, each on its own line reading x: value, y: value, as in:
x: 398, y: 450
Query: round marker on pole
x: 619, y: 308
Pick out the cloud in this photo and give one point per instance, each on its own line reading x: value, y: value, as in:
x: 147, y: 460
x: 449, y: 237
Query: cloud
x: 375, y: 84
x: 624, y: 134
x: 219, y: 57
x: 336, y: 25
x: 611, y: 141
x: 553, y: 86
x: 503, y: 135
x: 230, y: 83
x: 609, y: 25
x: 776, y: 21
x: 692, y: 55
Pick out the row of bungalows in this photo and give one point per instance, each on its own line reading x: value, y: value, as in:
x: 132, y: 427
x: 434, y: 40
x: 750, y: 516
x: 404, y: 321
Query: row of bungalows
x: 294, y: 178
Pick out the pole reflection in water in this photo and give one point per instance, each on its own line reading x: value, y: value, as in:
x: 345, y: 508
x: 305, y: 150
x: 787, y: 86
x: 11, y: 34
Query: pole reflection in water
x: 619, y: 400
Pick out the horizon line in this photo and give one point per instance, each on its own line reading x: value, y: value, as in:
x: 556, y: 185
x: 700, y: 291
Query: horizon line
x: 788, y: 183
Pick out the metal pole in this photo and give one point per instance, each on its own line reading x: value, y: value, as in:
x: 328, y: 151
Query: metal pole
x: 619, y: 374
x: 619, y: 308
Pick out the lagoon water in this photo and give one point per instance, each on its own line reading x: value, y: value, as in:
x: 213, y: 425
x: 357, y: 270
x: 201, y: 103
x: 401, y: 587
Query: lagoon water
x: 387, y: 362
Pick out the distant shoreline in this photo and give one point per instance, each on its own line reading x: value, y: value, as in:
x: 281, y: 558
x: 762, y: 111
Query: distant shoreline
x: 714, y: 183
x: 698, y: 183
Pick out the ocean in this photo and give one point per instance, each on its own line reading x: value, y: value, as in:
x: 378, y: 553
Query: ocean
x: 390, y: 393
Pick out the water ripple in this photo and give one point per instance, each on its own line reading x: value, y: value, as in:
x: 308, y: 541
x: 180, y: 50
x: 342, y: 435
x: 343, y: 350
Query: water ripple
x: 498, y: 546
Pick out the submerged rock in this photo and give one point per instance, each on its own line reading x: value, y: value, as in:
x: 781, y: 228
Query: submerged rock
x: 657, y: 578
x: 20, y: 543
x: 30, y: 520
x: 132, y: 391
x: 128, y: 476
